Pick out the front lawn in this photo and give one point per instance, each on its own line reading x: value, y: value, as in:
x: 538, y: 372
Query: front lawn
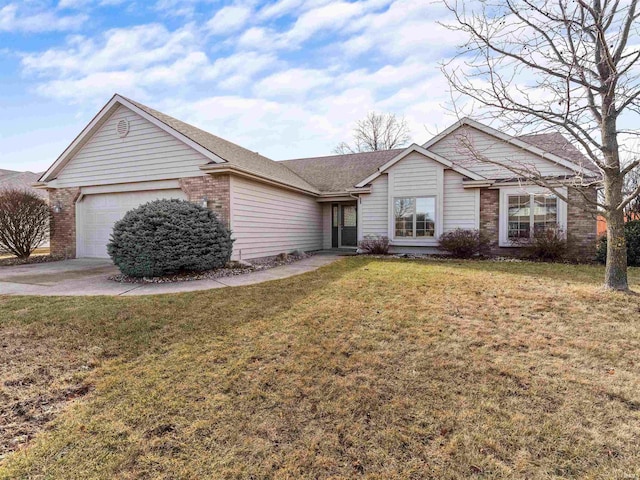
x: 364, y: 369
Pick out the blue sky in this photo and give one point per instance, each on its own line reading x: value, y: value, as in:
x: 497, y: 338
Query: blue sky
x: 287, y: 78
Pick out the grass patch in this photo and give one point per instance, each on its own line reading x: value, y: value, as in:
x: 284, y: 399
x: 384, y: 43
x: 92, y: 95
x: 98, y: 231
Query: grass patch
x: 365, y: 368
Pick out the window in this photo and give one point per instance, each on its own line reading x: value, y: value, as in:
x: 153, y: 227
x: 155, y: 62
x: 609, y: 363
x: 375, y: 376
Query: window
x: 528, y: 214
x: 414, y: 217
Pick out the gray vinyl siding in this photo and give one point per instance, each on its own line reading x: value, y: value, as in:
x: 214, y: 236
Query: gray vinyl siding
x: 461, y: 206
x: 419, y: 176
x: 453, y: 148
x: 146, y: 153
x: 374, y: 209
x: 267, y: 220
x: 415, y: 175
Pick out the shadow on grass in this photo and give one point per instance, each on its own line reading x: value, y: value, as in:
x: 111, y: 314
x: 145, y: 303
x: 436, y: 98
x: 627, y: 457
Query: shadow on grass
x: 130, y: 325
x: 582, y: 273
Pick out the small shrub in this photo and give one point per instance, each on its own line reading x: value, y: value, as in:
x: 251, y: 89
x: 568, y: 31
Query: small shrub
x: 548, y: 245
x: 632, y: 236
x: 24, y: 222
x: 169, y: 236
x: 375, y: 245
x: 463, y: 243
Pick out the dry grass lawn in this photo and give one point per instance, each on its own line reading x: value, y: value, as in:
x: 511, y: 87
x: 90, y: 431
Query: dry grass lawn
x: 381, y: 369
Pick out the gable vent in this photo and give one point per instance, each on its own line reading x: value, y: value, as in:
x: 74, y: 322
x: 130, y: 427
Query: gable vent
x: 122, y: 128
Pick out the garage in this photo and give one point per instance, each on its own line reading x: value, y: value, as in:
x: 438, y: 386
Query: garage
x: 96, y: 214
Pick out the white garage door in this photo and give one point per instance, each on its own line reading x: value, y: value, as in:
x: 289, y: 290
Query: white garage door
x: 96, y: 215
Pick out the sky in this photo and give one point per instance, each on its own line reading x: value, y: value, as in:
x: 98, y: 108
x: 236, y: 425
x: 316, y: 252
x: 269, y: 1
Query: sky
x: 286, y: 78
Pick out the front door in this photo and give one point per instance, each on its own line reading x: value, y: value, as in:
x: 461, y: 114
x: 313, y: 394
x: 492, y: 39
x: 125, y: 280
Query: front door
x: 348, y: 226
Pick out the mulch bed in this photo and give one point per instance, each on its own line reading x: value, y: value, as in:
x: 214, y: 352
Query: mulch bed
x: 232, y: 268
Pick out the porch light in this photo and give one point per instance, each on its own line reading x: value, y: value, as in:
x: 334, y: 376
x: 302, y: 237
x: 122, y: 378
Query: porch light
x: 57, y: 207
x: 205, y: 202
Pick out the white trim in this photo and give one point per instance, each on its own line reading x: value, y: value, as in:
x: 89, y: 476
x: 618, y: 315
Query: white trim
x: 505, y: 192
x: 132, y: 187
x: 418, y: 149
x: 101, y: 117
x: 506, y: 138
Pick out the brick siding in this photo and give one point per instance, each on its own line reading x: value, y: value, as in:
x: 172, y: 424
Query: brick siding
x: 581, y: 226
x: 214, y: 188
x: 63, y: 223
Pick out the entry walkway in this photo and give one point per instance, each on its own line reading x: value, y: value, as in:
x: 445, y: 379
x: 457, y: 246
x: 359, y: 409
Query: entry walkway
x: 90, y: 277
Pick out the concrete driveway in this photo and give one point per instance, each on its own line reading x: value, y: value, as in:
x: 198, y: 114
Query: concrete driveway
x: 87, y: 276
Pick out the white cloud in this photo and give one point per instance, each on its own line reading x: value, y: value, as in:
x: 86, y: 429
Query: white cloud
x: 328, y: 17
x: 126, y: 60
x: 238, y: 69
x: 229, y: 19
x: 258, y: 38
x: 291, y: 83
x: 133, y: 48
x: 289, y: 88
x: 14, y: 18
x: 407, y: 27
x: 315, y: 18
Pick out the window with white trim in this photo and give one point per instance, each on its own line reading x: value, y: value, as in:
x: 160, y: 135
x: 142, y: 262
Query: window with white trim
x: 414, y: 217
x: 528, y: 214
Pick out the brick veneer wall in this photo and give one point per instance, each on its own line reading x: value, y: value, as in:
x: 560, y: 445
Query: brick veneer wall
x: 581, y: 226
x: 63, y: 224
x: 490, y: 220
x: 215, y: 188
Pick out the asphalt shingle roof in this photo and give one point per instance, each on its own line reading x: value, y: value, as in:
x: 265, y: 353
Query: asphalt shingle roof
x: 557, y: 144
x: 340, y: 172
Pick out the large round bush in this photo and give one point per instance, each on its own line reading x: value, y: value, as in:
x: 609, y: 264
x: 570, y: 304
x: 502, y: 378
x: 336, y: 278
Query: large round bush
x: 632, y: 235
x: 169, y: 236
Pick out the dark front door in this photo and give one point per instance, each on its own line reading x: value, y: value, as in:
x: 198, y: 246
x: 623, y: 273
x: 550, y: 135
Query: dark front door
x: 348, y: 226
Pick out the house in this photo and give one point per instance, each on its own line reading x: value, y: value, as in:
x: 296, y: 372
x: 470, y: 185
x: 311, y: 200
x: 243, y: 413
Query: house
x: 130, y: 154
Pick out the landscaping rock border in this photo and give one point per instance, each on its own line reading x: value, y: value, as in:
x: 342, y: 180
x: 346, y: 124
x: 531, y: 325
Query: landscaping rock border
x: 33, y: 259
x: 233, y: 268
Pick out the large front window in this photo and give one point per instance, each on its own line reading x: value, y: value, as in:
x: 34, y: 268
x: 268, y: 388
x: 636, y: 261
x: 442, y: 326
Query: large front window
x: 414, y: 217
x: 529, y: 214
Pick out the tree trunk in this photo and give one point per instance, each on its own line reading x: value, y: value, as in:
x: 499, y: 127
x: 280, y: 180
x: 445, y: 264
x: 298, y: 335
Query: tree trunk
x: 616, y: 271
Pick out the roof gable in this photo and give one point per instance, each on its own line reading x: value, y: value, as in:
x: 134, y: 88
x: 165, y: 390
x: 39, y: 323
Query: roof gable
x: 417, y: 148
x: 98, y: 121
x: 526, y: 143
x: 215, y: 149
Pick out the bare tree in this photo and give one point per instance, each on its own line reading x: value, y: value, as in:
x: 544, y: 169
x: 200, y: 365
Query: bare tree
x: 24, y: 222
x: 571, y: 65
x: 378, y: 131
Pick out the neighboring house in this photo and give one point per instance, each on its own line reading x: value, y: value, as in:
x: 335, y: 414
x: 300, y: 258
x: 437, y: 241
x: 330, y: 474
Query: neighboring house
x: 10, y: 179
x: 602, y: 222
x: 130, y: 154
